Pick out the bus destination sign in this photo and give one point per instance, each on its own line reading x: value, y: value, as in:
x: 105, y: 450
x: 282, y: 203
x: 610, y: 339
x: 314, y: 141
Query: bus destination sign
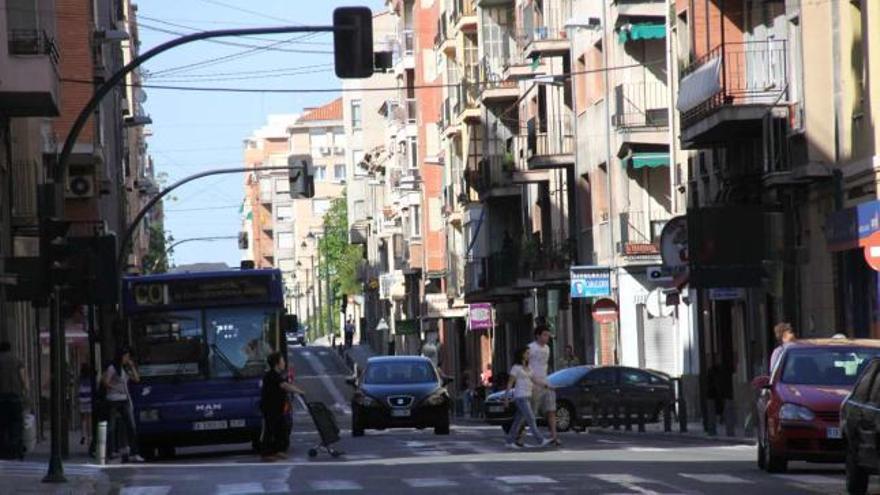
x: 202, y: 292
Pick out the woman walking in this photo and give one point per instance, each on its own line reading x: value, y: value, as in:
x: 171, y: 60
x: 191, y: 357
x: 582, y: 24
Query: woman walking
x: 123, y: 435
x: 522, y: 381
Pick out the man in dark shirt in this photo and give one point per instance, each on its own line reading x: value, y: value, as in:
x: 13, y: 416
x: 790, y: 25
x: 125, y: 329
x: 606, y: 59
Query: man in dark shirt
x: 275, y: 406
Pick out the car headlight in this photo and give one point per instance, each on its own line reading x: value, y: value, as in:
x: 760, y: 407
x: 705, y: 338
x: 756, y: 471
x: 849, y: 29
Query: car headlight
x: 436, y: 399
x: 149, y: 415
x: 794, y: 412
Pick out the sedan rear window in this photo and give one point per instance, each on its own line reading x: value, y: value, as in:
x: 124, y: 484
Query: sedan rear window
x: 826, y: 366
x: 403, y: 372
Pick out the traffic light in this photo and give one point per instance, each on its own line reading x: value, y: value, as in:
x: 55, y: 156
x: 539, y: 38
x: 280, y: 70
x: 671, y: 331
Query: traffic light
x: 353, y: 42
x: 55, y: 251
x: 302, y: 180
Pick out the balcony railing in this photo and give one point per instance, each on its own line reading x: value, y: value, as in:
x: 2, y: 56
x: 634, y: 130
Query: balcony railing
x: 547, y: 24
x: 32, y: 42
x: 744, y: 73
x: 493, y: 171
x: 451, y: 108
x: 640, y: 232
x: 501, y: 269
x: 442, y: 34
x: 545, y: 144
x: 463, y: 8
x: 491, y: 72
x: 642, y: 104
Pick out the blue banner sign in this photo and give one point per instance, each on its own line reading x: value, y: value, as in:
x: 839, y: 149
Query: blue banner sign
x: 590, y: 281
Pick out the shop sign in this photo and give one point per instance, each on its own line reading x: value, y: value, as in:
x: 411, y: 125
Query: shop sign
x: 640, y: 249
x: 605, y: 311
x: 727, y: 294
x: 480, y: 316
x: 590, y: 281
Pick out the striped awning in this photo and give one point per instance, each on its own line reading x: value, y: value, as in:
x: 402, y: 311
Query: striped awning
x: 642, y: 31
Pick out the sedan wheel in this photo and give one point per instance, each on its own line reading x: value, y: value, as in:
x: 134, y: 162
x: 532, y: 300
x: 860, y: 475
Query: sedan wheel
x: 564, y: 417
x: 772, y: 462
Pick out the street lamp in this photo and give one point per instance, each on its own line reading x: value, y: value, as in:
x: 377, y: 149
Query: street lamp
x: 317, y: 236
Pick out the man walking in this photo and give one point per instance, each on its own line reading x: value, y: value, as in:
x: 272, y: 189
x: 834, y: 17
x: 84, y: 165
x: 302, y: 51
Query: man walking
x: 275, y: 406
x: 349, y: 332
x: 13, y: 390
x: 543, y: 397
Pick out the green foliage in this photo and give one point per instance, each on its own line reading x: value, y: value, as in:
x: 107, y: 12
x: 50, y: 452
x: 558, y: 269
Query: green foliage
x: 156, y: 259
x: 338, y: 259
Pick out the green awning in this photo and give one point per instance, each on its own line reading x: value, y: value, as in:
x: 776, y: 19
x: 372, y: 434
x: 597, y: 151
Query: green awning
x: 644, y: 31
x: 649, y: 160
x: 250, y: 215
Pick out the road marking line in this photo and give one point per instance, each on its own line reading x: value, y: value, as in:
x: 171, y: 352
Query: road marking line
x: 329, y: 485
x: 627, y: 481
x: 646, y: 449
x: 429, y: 482
x: 430, y: 453
x: 146, y: 490
x: 239, y: 488
x: 809, y: 479
x: 525, y: 480
x: 715, y: 478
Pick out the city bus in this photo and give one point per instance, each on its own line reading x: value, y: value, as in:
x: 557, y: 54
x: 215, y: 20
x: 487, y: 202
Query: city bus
x: 200, y: 341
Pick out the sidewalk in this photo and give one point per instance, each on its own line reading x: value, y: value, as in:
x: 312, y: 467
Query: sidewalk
x: 694, y: 431
x: 82, y: 473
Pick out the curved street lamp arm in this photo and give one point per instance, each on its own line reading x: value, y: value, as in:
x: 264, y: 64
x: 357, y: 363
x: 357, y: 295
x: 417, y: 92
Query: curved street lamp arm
x: 108, y: 85
x: 129, y: 233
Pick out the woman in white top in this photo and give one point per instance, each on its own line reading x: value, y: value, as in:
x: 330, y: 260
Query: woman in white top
x: 522, y: 380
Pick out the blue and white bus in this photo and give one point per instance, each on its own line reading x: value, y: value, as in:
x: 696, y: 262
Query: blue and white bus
x: 200, y: 342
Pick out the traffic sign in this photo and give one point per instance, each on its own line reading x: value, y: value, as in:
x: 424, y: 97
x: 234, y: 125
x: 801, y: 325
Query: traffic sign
x: 605, y: 311
x: 872, y: 251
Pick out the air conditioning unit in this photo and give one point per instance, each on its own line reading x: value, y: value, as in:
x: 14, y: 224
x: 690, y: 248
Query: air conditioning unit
x: 325, y: 150
x: 80, y: 182
x: 339, y: 150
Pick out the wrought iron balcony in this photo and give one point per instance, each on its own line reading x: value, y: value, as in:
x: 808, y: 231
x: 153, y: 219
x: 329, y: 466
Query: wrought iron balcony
x: 642, y: 104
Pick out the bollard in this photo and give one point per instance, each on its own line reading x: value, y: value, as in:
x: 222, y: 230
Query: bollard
x: 667, y: 417
x: 682, y: 408
x: 616, y: 418
x: 627, y: 419
x: 101, y: 443
x: 641, y: 420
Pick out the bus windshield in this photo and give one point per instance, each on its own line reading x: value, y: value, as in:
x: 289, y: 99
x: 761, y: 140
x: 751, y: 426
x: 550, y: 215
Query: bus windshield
x: 170, y: 344
x: 230, y: 342
x: 239, y: 340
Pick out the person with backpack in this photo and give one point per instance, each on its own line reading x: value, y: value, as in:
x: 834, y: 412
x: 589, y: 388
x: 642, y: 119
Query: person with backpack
x: 275, y: 406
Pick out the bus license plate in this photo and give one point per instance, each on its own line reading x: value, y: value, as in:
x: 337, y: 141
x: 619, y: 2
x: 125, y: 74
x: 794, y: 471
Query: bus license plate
x: 833, y: 433
x: 210, y: 425
x: 400, y: 413
x: 237, y: 423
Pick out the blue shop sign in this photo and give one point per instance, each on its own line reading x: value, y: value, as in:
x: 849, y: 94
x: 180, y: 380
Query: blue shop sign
x: 590, y: 281
x: 845, y: 229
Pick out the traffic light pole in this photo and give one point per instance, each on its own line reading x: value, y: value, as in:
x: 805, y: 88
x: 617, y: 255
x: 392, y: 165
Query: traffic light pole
x: 57, y: 337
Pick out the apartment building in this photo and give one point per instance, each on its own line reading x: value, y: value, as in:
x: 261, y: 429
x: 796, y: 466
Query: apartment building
x: 363, y: 101
x: 282, y: 232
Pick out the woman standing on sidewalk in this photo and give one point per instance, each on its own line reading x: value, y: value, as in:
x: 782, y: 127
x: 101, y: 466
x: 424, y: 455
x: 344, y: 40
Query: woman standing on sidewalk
x: 123, y: 434
x: 522, y: 378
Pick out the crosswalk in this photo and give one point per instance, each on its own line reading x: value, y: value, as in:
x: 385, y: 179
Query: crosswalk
x: 599, y: 483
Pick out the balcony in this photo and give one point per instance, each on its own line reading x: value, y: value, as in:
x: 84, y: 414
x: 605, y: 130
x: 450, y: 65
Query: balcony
x: 548, y: 260
x: 543, y: 150
x: 30, y: 74
x: 640, y: 234
x: 402, y: 54
x: 442, y: 41
x: 638, y: 8
x: 464, y: 15
x: 469, y: 109
x: 493, y: 177
x: 641, y: 105
x: 728, y: 91
x: 499, y: 270
x: 449, y: 113
x: 496, y: 87
x: 544, y: 30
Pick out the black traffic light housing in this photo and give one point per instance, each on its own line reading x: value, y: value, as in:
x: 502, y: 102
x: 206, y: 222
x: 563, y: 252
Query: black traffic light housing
x: 353, y: 42
x: 302, y: 180
x: 55, y: 251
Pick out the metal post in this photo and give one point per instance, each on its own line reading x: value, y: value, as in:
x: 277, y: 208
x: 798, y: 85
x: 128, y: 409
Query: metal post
x: 101, y: 442
x: 56, y: 343
x: 330, y: 330
x: 319, y: 320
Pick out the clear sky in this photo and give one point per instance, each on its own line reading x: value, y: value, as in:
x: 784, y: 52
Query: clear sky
x: 197, y: 131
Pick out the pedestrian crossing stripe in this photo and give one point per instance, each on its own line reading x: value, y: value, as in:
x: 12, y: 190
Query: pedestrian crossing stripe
x: 146, y: 490
x: 430, y: 482
x: 333, y: 485
x: 239, y: 488
x: 525, y: 480
x: 715, y: 478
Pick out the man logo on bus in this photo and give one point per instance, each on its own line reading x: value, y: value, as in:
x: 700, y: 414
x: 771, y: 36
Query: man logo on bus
x: 208, y: 409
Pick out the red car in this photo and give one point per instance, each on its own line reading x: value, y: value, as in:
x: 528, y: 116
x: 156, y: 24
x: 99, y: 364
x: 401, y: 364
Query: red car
x: 799, y: 404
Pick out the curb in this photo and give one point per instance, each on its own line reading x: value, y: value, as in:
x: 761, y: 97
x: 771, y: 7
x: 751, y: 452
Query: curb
x: 674, y: 436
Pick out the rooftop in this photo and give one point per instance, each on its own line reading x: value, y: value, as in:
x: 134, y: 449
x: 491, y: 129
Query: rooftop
x: 329, y: 111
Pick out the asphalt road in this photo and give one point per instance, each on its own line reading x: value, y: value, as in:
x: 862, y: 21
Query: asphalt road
x: 472, y: 459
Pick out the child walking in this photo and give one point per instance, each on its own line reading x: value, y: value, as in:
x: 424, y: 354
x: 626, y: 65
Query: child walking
x: 522, y: 381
